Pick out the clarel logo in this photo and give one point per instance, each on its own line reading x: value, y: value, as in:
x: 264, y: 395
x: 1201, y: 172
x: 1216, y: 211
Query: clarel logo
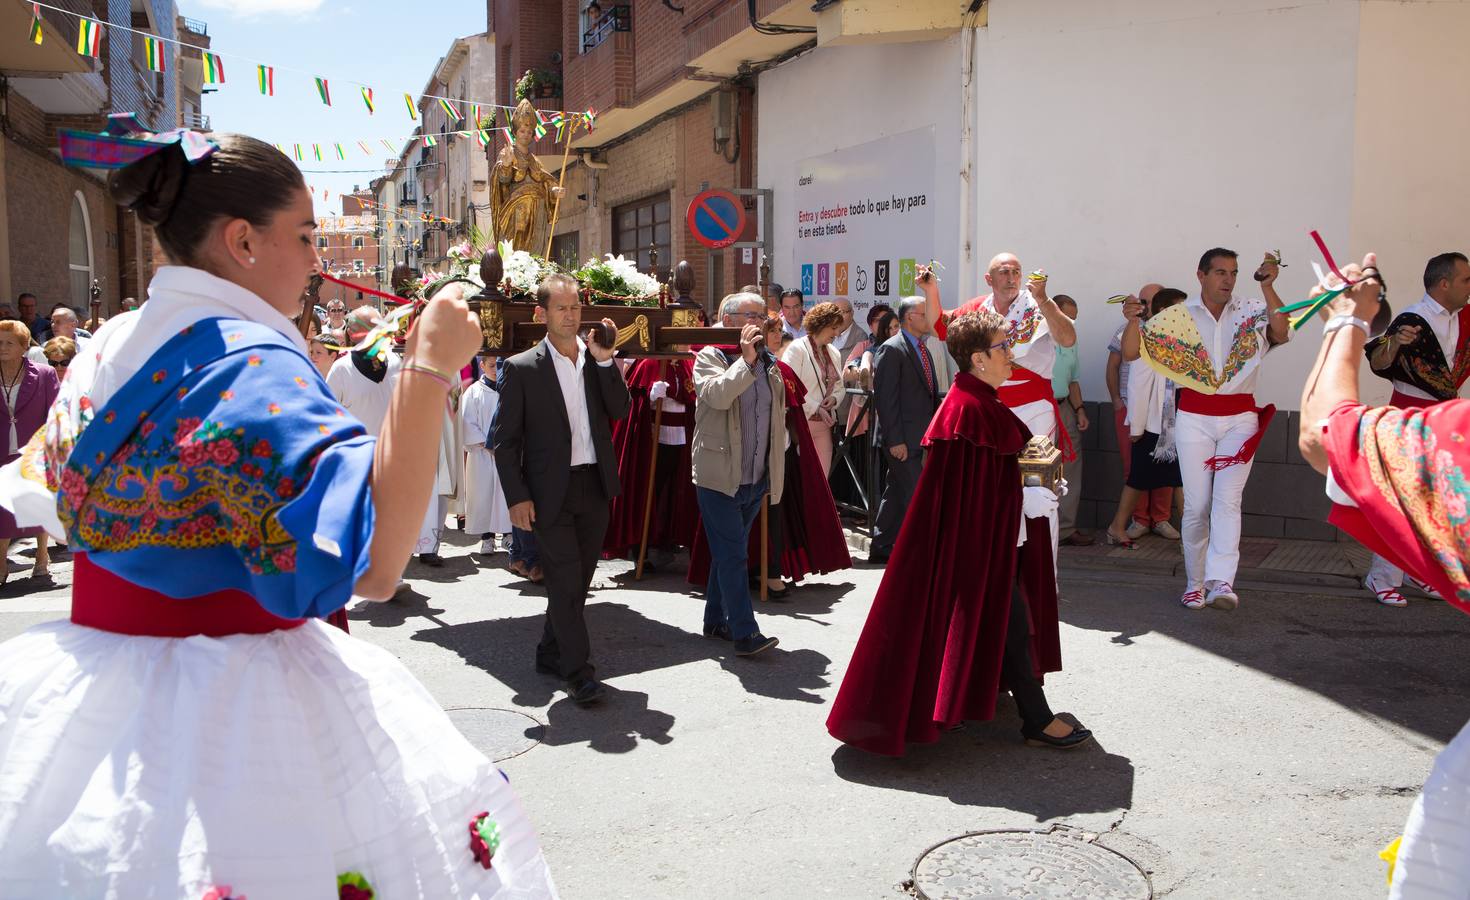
x: 803, y: 180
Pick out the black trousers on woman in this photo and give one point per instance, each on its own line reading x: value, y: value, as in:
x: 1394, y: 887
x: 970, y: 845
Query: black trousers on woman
x: 1017, y: 672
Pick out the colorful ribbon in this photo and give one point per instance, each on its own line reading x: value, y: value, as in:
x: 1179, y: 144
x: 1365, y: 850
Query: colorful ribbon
x: 124, y: 141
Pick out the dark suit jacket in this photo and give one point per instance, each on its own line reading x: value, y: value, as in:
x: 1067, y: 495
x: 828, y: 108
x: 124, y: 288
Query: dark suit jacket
x: 532, y: 437
x: 901, y: 395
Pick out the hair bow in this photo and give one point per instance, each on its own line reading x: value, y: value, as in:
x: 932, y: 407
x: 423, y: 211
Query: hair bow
x: 124, y: 141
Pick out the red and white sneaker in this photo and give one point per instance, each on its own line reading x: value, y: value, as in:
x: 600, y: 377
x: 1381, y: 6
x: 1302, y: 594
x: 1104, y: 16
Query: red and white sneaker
x: 1193, y: 598
x: 1387, y: 596
x: 1422, y: 588
x: 1222, y: 596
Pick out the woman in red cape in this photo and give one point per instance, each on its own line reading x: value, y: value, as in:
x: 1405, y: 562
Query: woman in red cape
x: 806, y: 534
x: 951, y: 624
x: 674, y: 507
x: 1398, y: 482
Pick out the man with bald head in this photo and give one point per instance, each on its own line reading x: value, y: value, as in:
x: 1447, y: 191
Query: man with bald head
x: 1154, y: 507
x: 1035, y: 325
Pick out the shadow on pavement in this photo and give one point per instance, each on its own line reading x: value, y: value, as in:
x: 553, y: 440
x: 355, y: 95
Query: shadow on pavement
x: 1407, y: 665
x: 986, y: 764
x: 614, y: 725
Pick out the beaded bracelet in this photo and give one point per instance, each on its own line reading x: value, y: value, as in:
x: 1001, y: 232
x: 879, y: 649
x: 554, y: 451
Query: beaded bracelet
x: 436, y: 374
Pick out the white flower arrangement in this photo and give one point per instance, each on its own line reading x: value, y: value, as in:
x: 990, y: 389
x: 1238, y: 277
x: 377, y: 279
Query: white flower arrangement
x: 615, y: 276
x: 522, y: 270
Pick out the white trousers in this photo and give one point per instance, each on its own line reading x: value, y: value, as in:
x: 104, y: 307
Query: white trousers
x: 1039, y: 417
x: 1211, y: 526
x: 1383, y: 574
x: 1434, y: 858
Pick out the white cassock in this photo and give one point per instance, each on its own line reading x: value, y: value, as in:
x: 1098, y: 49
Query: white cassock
x: 360, y: 395
x: 447, y: 475
x: 485, y: 509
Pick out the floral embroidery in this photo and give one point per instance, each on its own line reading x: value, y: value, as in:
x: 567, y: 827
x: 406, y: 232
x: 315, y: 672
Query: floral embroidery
x: 253, y: 360
x: 227, y: 395
x: 274, y: 409
x: 1243, y: 346
x: 110, y: 417
x: 353, y: 886
x: 1185, y: 355
x: 484, y: 838
x: 1023, y: 328
x: 159, y: 376
x: 300, y: 382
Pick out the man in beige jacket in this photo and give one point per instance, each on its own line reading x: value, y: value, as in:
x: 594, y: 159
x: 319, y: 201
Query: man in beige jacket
x: 739, y: 453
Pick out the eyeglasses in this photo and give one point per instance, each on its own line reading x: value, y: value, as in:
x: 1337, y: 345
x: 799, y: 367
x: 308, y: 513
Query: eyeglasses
x: 1002, y: 344
x: 58, y: 363
x: 336, y: 309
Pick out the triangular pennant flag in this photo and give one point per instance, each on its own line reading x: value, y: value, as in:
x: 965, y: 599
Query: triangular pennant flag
x: 214, y: 69
x: 341, y: 153
x: 323, y: 91
x: 153, y: 55
x: 367, y: 98
x: 450, y: 110
x: 413, y: 110
x: 89, y: 37
x: 265, y: 77
x: 36, y: 23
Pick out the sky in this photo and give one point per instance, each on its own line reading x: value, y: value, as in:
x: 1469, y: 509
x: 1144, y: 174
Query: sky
x: 391, y: 47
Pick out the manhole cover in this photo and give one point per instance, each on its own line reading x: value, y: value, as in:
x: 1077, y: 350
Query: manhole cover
x: 1027, y: 864
x: 497, y: 733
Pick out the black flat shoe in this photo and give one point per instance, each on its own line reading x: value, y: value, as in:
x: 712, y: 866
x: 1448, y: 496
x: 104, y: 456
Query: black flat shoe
x: 584, y: 691
x: 1077, y: 738
x: 431, y: 559
x: 754, y: 644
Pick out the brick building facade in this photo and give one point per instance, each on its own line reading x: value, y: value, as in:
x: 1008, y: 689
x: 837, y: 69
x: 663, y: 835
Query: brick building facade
x: 676, y: 115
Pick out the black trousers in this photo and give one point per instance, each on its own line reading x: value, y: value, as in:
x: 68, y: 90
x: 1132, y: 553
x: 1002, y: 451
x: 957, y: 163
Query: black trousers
x: 1016, y: 670
x: 903, y: 480
x: 570, y: 545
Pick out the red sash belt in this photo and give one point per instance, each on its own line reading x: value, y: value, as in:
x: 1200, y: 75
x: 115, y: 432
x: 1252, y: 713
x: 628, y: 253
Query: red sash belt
x: 1404, y: 401
x: 1033, y: 388
x: 102, y: 600
x: 1227, y: 405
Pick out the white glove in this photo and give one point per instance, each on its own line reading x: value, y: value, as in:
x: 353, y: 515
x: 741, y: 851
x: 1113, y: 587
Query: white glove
x: 1037, y: 502
x: 1062, y: 487
x: 658, y: 391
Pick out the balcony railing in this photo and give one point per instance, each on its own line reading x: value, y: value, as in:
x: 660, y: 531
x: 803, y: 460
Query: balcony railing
x: 614, y: 19
x: 196, y: 26
x: 196, y: 121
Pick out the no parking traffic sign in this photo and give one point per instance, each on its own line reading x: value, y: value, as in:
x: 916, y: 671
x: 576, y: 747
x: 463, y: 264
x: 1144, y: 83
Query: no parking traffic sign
x: 716, y: 218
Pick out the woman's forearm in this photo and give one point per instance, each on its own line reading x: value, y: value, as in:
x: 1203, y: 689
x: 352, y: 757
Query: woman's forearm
x: 404, y: 470
x: 1334, y: 379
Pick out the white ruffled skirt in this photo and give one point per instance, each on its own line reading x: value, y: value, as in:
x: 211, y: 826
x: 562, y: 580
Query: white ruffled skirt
x: 142, y: 767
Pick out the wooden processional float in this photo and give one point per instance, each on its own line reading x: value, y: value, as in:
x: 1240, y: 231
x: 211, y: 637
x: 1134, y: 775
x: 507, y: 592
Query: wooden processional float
x: 665, y: 328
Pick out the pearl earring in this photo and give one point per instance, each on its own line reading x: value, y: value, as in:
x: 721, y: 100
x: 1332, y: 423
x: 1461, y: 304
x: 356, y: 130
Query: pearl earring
x: 252, y: 260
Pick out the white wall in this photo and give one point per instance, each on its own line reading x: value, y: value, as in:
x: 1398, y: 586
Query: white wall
x: 844, y: 96
x: 1117, y: 141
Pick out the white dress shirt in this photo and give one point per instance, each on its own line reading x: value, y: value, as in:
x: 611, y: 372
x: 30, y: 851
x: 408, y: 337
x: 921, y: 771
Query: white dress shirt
x: 1446, y: 328
x: 1243, y: 321
x: 574, y: 395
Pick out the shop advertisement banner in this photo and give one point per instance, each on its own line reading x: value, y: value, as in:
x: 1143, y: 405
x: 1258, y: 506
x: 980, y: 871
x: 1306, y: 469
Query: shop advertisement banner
x: 865, y: 217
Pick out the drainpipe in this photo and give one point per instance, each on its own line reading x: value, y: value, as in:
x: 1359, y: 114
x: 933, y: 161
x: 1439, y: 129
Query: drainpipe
x: 968, y: 277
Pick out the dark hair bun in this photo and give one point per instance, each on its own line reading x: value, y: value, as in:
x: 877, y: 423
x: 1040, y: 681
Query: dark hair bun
x: 151, y: 186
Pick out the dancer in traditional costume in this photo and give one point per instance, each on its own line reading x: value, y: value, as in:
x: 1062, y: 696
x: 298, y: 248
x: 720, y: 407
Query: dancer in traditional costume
x: 194, y: 725
x: 1212, y: 346
x: 1398, y: 481
x: 486, y: 513
x: 655, y: 383
x: 1426, y: 355
x: 959, y: 616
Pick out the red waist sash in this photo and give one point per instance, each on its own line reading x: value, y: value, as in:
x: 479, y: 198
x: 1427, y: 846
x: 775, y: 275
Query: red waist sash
x: 102, y: 600
x: 1034, y: 388
x: 1405, y: 401
x: 1191, y: 401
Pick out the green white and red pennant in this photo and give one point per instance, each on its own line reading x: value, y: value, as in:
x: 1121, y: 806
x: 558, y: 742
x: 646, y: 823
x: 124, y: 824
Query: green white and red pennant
x: 324, y: 91
x: 367, y: 99
x: 214, y: 69
x: 265, y: 76
x: 89, y: 37
x: 36, y: 24
x: 154, y: 56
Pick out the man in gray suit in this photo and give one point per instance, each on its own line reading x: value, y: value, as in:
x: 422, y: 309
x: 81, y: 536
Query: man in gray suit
x: 905, y: 396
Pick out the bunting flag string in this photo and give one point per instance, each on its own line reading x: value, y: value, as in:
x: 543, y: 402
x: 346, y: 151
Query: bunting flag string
x: 323, y: 91
x: 89, y: 37
x: 450, y: 110
x: 266, y: 77
x: 36, y: 24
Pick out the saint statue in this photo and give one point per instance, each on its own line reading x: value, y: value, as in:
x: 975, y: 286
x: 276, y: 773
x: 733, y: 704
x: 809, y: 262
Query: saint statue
x: 521, y: 190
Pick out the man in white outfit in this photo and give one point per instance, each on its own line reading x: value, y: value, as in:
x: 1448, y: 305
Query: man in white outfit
x: 1217, y: 434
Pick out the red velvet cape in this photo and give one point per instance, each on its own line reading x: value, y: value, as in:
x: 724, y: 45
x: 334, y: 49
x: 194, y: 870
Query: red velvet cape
x: 633, y: 439
x: 930, y: 653
x: 814, y: 542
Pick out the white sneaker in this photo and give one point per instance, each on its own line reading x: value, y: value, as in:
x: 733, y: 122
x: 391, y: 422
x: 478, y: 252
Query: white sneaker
x: 1388, y: 596
x: 1222, y: 596
x: 1421, y: 587
x: 1166, y: 531
x: 487, y: 546
x: 1192, y: 599
x: 1136, y: 530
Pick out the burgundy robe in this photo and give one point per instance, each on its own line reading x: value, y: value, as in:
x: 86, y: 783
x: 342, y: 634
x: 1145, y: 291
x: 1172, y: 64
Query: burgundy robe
x: 633, y: 439
x: 38, y: 388
x: 930, y: 653
x: 813, y: 542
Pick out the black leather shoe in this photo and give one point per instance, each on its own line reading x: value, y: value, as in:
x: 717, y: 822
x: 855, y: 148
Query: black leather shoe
x: 1077, y: 738
x: 584, y: 691
x: 754, y: 644
x: 720, y: 632
x: 431, y: 559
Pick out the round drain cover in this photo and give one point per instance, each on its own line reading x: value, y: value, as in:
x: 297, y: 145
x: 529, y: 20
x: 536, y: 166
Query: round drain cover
x: 1027, y: 864
x: 497, y: 733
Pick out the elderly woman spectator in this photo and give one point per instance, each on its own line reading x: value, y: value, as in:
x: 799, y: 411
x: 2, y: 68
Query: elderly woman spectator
x: 817, y: 364
x: 59, y: 353
x: 29, y: 390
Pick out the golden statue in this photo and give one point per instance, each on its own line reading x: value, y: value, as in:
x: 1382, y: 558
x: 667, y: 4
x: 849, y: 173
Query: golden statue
x: 521, y: 190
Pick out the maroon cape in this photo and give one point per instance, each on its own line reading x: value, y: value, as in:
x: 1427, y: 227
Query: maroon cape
x: 814, y: 542
x: 930, y: 653
x: 633, y: 439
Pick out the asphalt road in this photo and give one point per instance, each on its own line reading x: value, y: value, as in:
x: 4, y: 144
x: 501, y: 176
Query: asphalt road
x: 1268, y: 752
